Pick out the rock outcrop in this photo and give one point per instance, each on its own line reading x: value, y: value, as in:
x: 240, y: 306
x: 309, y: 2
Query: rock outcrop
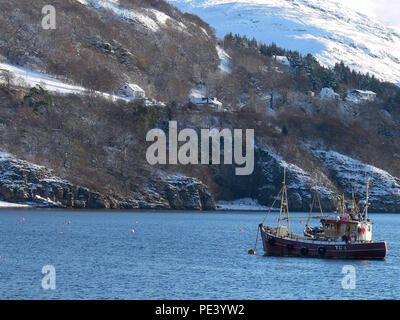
x: 351, y: 175
x: 24, y: 182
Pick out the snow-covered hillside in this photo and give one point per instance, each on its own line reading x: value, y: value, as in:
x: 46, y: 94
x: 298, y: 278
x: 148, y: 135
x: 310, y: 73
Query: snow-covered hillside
x: 26, y: 78
x: 351, y: 175
x: 329, y: 30
x: 150, y: 19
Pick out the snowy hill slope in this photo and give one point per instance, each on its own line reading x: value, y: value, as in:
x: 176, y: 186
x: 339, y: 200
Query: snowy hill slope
x: 27, y: 79
x: 351, y: 175
x: 327, y: 29
x: 149, y: 18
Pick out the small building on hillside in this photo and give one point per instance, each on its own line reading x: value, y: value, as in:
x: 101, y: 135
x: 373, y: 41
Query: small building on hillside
x: 131, y: 90
x: 211, y: 101
x: 283, y: 60
x: 361, y: 96
x: 329, y: 93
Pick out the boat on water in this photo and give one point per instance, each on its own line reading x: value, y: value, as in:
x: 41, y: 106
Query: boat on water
x: 345, y: 235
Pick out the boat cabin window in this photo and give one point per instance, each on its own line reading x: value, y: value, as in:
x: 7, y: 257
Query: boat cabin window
x: 329, y: 226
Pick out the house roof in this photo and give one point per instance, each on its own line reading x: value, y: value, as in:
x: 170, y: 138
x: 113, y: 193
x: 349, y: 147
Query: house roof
x: 133, y: 86
x: 364, y: 91
x: 209, y: 100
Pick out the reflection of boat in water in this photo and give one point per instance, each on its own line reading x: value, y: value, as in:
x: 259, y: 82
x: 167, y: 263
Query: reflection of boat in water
x: 345, y: 235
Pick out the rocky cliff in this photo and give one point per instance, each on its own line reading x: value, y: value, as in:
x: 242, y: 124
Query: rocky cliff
x: 336, y: 174
x: 24, y: 182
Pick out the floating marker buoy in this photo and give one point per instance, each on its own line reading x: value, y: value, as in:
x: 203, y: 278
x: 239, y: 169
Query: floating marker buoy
x: 132, y: 231
x: 252, y: 251
x: 241, y: 230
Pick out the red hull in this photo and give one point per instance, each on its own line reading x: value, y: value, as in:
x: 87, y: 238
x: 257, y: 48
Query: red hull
x: 278, y: 246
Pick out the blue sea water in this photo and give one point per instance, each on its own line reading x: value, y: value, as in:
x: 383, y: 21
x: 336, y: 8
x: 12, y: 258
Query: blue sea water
x: 175, y: 255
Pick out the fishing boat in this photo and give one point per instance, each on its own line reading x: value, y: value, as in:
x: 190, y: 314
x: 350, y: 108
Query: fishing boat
x: 345, y: 235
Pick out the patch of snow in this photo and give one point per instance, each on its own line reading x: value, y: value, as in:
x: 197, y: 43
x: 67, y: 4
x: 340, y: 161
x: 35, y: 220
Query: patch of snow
x: 224, y: 67
x: 151, y: 19
x: 28, y: 78
x: 4, y: 204
x: 245, y: 204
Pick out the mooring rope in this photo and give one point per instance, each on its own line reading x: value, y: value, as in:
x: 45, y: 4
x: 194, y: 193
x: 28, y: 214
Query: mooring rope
x: 253, y: 251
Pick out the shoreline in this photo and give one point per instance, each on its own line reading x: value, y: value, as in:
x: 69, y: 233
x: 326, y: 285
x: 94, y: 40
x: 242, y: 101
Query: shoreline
x: 26, y: 207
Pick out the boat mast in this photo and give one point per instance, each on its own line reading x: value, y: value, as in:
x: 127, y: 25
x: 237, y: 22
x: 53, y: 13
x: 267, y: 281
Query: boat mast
x: 284, y: 211
x: 367, y: 203
x: 315, y: 197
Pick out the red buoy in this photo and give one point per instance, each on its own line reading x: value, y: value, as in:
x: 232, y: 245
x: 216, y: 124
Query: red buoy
x: 132, y: 231
x: 241, y: 230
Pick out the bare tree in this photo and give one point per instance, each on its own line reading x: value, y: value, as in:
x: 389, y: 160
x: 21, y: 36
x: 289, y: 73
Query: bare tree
x: 7, y: 78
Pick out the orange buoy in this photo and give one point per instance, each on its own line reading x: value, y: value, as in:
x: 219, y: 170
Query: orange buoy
x: 252, y: 251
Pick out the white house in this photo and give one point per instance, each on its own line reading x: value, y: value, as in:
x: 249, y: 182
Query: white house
x: 329, y: 93
x: 360, y: 96
x: 211, y: 101
x: 132, y: 90
x: 283, y: 60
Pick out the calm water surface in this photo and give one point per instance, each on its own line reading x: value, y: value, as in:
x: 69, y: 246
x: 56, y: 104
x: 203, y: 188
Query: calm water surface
x: 175, y: 255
